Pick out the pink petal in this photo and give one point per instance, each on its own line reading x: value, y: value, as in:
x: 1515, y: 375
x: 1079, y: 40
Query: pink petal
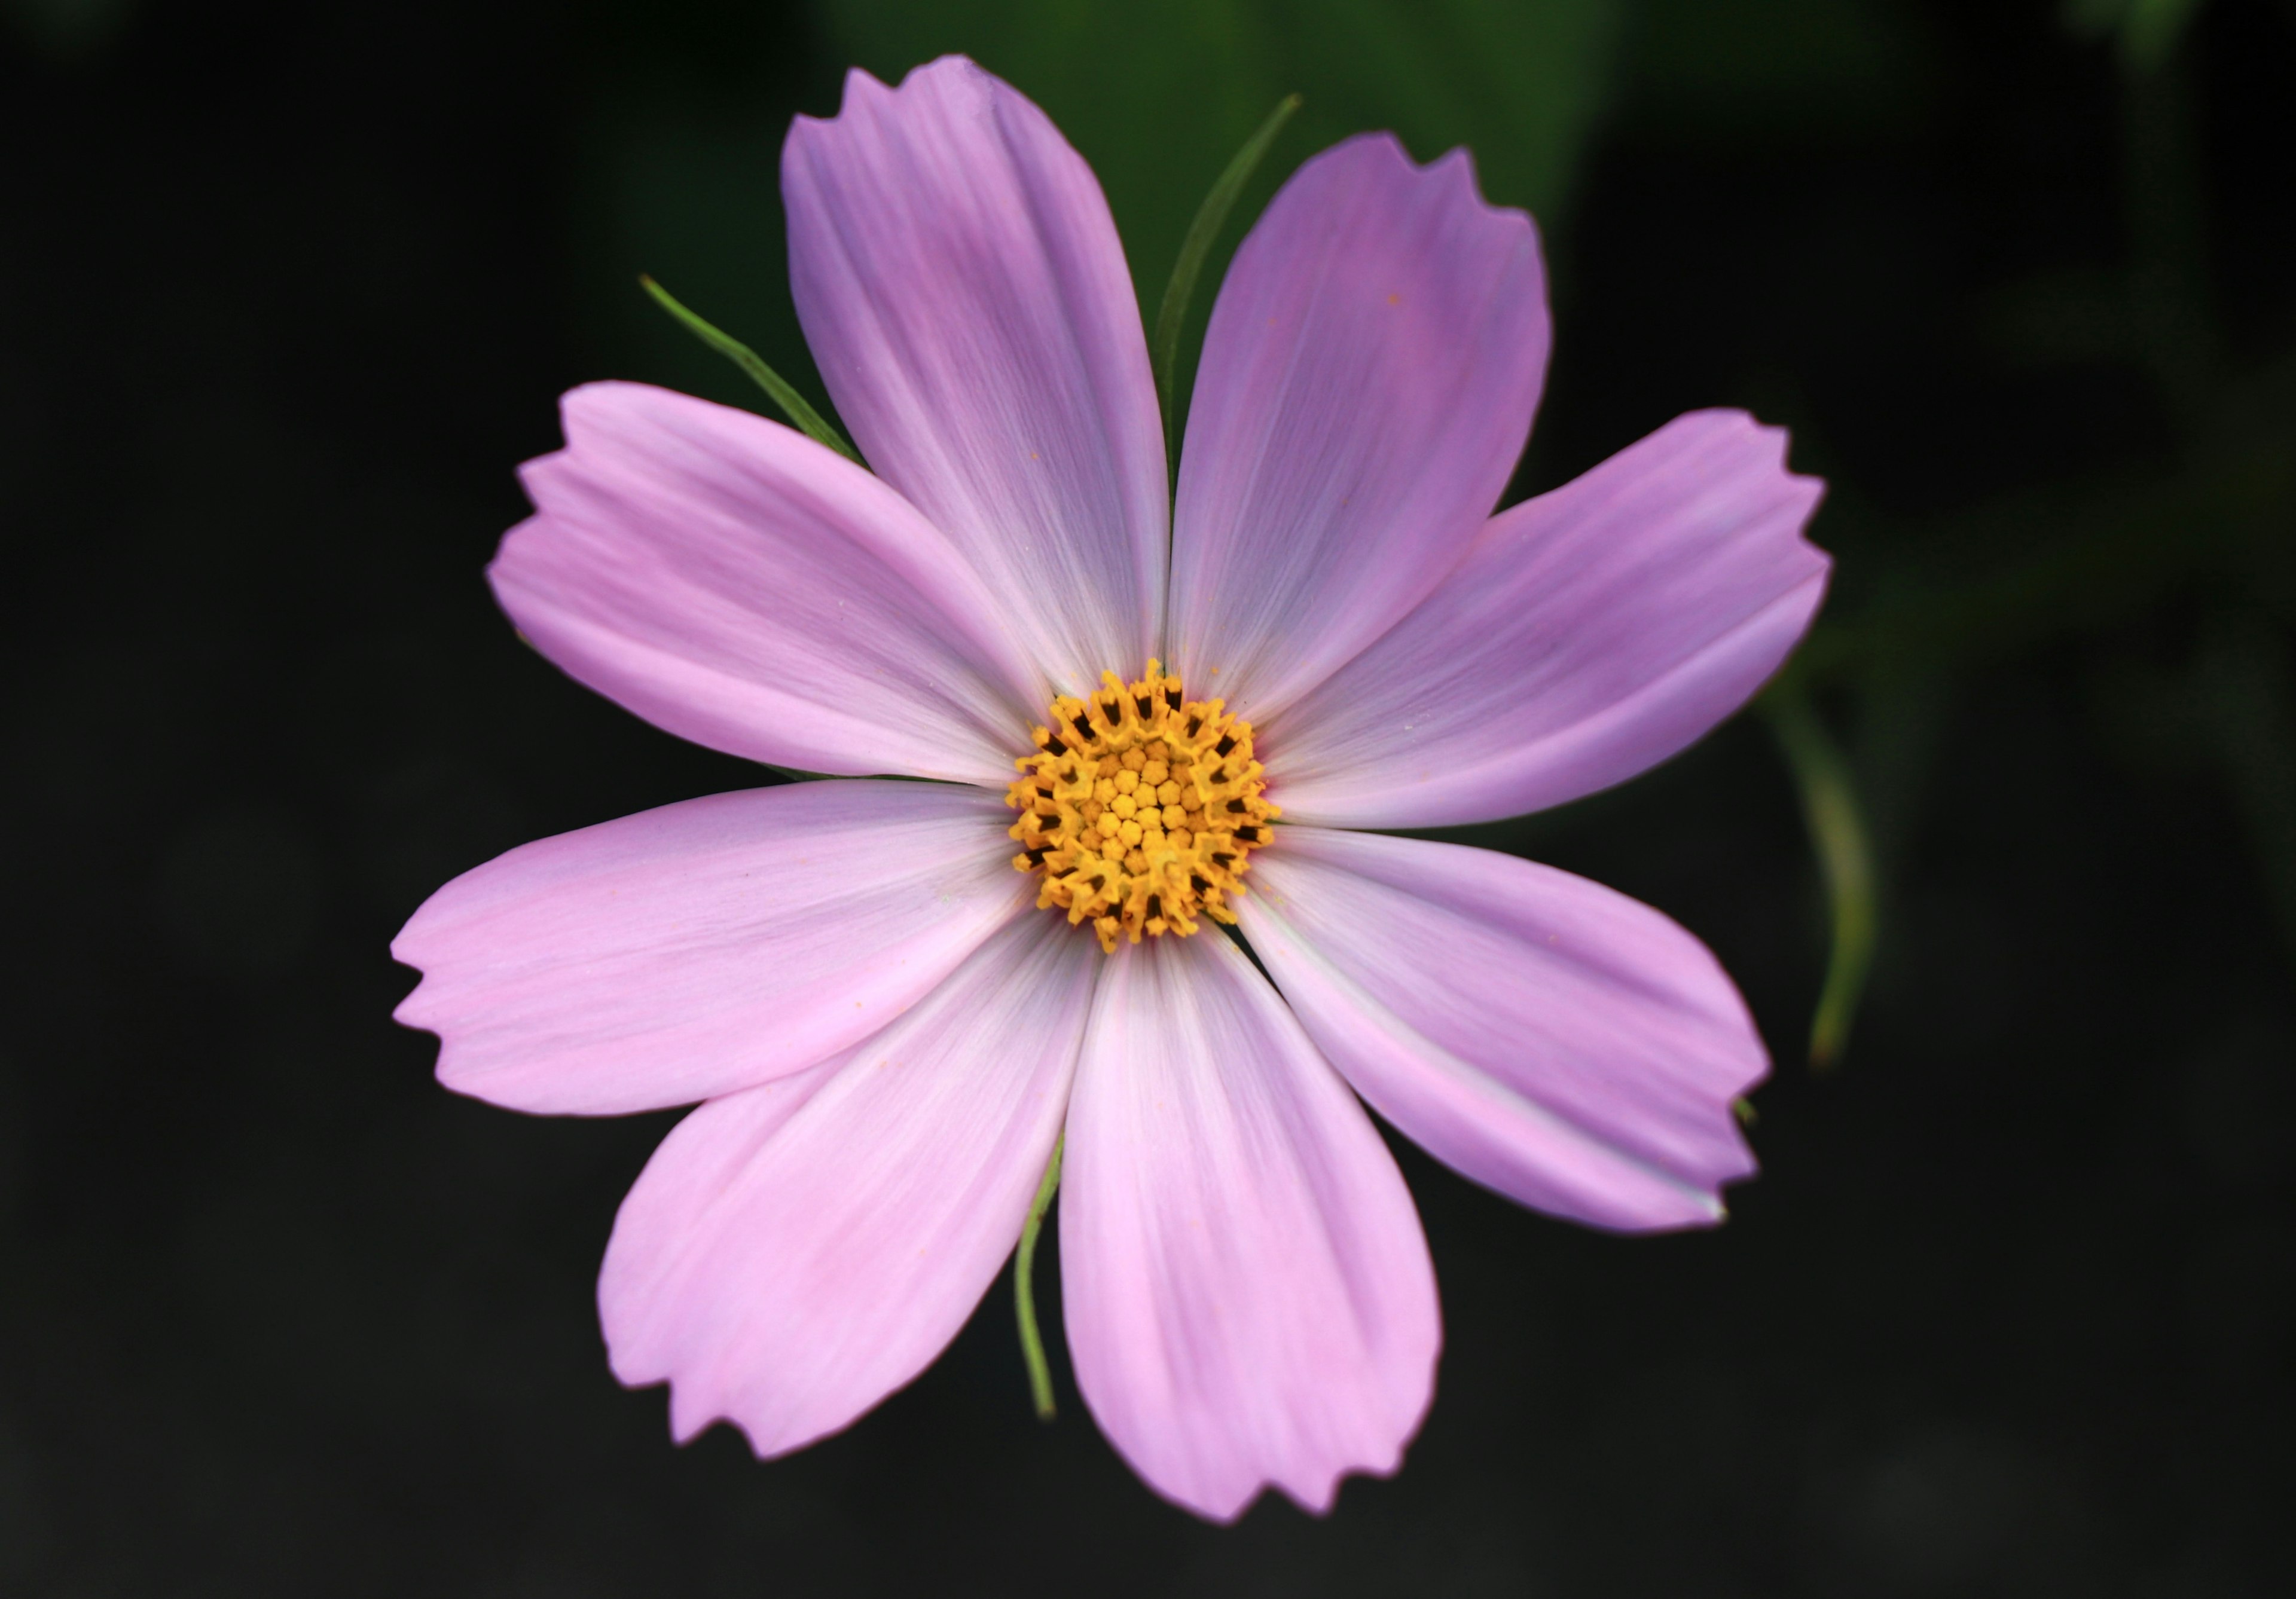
x: 961, y: 284
x: 1550, y: 1039
x: 786, y: 1267
x: 704, y: 947
x: 1249, y: 1297
x: 1590, y: 633
x: 1368, y: 380
x: 737, y: 584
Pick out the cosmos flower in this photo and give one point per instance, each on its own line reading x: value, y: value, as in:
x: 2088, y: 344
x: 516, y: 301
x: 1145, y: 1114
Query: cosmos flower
x: 1146, y: 720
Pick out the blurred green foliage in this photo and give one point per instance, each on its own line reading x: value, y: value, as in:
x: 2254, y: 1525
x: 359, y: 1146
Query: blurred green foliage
x: 2008, y: 1313
x: 68, y: 29
x: 1159, y: 95
x: 2147, y: 30
x: 1766, y: 69
x: 2213, y: 526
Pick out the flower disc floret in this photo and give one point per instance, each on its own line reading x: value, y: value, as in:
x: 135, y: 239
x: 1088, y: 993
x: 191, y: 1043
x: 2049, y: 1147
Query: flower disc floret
x: 1139, y: 808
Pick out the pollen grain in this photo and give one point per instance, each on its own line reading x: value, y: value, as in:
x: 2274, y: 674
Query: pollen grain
x: 1139, y: 807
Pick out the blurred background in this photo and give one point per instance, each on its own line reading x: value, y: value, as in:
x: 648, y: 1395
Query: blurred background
x: 285, y: 292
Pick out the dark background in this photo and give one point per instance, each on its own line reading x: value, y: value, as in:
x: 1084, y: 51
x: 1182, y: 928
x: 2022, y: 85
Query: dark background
x: 286, y: 291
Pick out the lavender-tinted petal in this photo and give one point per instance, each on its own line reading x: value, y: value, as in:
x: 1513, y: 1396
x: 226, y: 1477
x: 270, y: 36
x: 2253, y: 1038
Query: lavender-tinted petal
x: 731, y: 581
x: 1368, y: 380
x: 702, y: 947
x: 1247, y: 1295
x: 1550, y: 1039
x: 786, y: 1266
x: 1590, y: 633
x: 961, y: 284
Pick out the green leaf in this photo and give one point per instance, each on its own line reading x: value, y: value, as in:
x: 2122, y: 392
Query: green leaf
x: 1164, y: 349
x: 803, y: 416
x: 1024, y: 1286
x: 1845, y: 857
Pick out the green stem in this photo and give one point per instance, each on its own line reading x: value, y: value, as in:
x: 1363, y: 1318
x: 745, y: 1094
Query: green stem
x: 803, y: 416
x: 1164, y: 349
x: 1024, y: 1279
x: 1845, y: 855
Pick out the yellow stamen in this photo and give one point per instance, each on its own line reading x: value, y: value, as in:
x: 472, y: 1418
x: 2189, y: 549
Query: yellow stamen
x: 1139, y: 808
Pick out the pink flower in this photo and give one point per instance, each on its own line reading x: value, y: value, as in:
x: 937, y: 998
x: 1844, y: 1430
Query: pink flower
x: 888, y: 1027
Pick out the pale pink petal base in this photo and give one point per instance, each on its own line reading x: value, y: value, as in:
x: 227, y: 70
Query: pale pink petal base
x: 1590, y: 633
x: 961, y: 284
x: 702, y: 947
x: 1549, y: 1037
x: 793, y: 1254
x: 1248, y: 1294
x: 1368, y: 379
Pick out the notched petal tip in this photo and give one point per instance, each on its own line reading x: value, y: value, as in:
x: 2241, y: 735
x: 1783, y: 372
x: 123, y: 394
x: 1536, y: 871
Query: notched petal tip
x: 1566, y: 1046
x: 864, y: 95
x: 860, y: 89
x: 1590, y: 633
x: 794, y: 1252
x: 694, y: 950
x: 1770, y: 440
x: 414, y: 1013
x: 1453, y: 174
x: 1249, y: 1299
x: 1369, y: 377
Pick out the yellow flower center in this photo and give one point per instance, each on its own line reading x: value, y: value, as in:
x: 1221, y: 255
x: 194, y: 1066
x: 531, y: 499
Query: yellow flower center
x: 1139, y: 807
